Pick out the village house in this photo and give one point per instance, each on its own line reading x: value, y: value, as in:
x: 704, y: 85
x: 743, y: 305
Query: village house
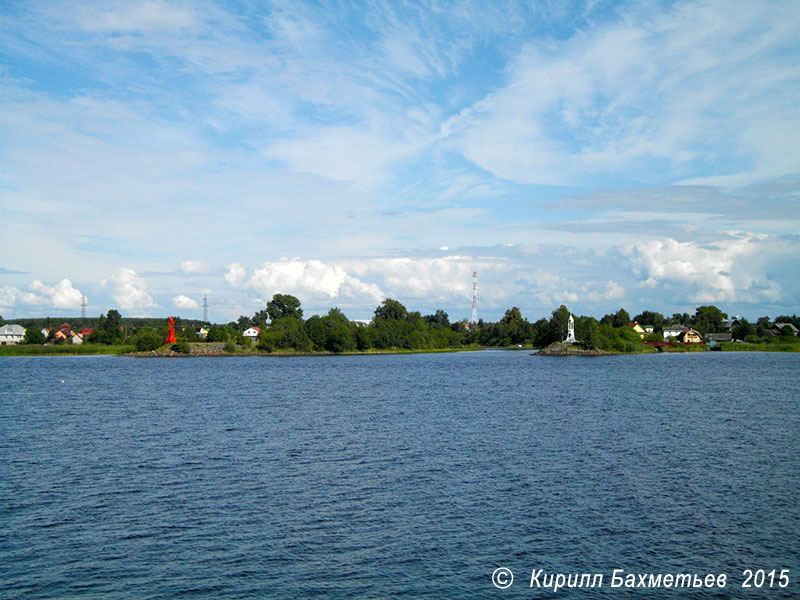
x: 642, y: 330
x: 202, y: 332
x: 718, y: 338
x: 732, y: 322
x: 64, y: 332
x: 690, y: 336
x: 673, y: 331
x: 778, y: 329
x: 11, y: 334
x: 252, y: 333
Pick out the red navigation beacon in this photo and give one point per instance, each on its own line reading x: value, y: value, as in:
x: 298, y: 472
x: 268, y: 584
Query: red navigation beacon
x: 170, y: 331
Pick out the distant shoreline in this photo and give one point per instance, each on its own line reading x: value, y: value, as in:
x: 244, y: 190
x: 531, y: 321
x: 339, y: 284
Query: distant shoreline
x: 216, y: 350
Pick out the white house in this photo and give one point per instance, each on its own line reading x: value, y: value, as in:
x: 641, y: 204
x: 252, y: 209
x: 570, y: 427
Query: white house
x: 11, y: 334
x: 673, y: 331
x: 252, y: 333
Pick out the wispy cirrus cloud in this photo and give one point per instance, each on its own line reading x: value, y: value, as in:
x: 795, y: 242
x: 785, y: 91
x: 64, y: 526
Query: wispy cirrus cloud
x: 661, y: 89
x: 539, y: 141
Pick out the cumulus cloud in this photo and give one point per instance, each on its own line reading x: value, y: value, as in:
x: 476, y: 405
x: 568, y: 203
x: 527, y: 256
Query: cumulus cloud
x: 60, y: 295
x: 184, y: 302
x: 236, y: 274
x: 437, y: 277
x: 193, y: 266
x: 128, y: 290
x: 714, y: 272
x: 11, y: 296
x: 429, y: 281
x: 310, y: 278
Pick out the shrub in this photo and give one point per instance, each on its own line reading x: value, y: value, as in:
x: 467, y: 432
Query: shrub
x: 182, y: 347
x: 147, y: 339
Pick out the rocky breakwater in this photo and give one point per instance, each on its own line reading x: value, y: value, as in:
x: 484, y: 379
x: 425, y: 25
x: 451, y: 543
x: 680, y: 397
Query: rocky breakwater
x: 195, y: 349
x: 562, y: 349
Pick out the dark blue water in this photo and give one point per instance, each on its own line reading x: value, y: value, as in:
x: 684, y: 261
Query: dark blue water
x: 405, y: 476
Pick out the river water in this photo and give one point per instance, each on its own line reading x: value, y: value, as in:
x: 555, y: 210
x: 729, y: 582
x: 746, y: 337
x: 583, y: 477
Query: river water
x: 396, y: 476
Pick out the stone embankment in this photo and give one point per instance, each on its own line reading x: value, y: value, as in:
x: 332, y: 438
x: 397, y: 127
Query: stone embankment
x: 562, y: 349
x: 196, y: 349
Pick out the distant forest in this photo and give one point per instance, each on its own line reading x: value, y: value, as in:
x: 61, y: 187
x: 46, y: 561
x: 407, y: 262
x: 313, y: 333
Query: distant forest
x: 393, y: 326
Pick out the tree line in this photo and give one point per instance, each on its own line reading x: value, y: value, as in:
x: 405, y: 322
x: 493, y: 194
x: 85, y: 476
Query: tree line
x: 393, y: 326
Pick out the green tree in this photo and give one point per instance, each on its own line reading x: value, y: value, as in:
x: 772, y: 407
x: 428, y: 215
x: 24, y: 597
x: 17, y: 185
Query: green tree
x: 391, y: 310
x: 260, y: 319
x: 438, y: 319
x: 217, y: 333
x: 284, y: 306
x: 541, y: 333
x: 621, y: 318
x: 316, y: 331
x: 363, y: 335
x: 681, y: 319
x: 34, y: 335
x: 742, y: 330
x: 182, y: 347
x: 147, y: 339
x: 656, y: 319
x: 287, y: 333
x: 709, y: 319
x: 113, y: 325
x: 587, y: 331
x: 108, y: 330
x: 763, y: 325
x: 513, y: 329
x: 337, y: 332
x: 557, y: 330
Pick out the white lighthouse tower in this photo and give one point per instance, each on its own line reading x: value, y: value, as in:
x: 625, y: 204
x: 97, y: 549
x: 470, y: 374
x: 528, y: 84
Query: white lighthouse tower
x: 571, y: 331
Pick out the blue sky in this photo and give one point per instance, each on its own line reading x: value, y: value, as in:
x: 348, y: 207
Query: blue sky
x: 597, y: 154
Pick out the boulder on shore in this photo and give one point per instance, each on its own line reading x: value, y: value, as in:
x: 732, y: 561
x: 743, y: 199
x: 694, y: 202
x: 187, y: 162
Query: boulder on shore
x: 562, y: 349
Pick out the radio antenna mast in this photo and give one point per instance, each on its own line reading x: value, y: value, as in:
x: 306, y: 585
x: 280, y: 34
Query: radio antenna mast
x: 474, y: 318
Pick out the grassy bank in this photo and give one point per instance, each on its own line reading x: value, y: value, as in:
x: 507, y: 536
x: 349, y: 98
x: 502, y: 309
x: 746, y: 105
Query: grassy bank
x: 771, y: 347
x: 63, y: 349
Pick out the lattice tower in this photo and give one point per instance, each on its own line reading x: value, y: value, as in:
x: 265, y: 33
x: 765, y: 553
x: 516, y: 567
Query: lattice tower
x: 474, y: 318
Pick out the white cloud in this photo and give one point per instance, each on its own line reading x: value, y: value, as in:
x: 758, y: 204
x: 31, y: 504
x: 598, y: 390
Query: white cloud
x: 309, y: 278
x: 61, y: 295
x: 717, y: 272
x: 193, y: 266
x: 11, y: 296
x: 184, y: 302
x: 128, y: 290
x: 144, y: 16
x: 343, y: 153
x: 679, y: 87
x: 439, y: 277
x: 235, y: 275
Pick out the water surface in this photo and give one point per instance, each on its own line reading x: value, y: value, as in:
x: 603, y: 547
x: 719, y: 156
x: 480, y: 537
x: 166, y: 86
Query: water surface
x: 405, y: 476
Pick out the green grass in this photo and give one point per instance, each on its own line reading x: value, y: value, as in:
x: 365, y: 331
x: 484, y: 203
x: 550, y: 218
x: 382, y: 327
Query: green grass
x: 771, y: 347
x: 685, y: 348
x: 63, y: 349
